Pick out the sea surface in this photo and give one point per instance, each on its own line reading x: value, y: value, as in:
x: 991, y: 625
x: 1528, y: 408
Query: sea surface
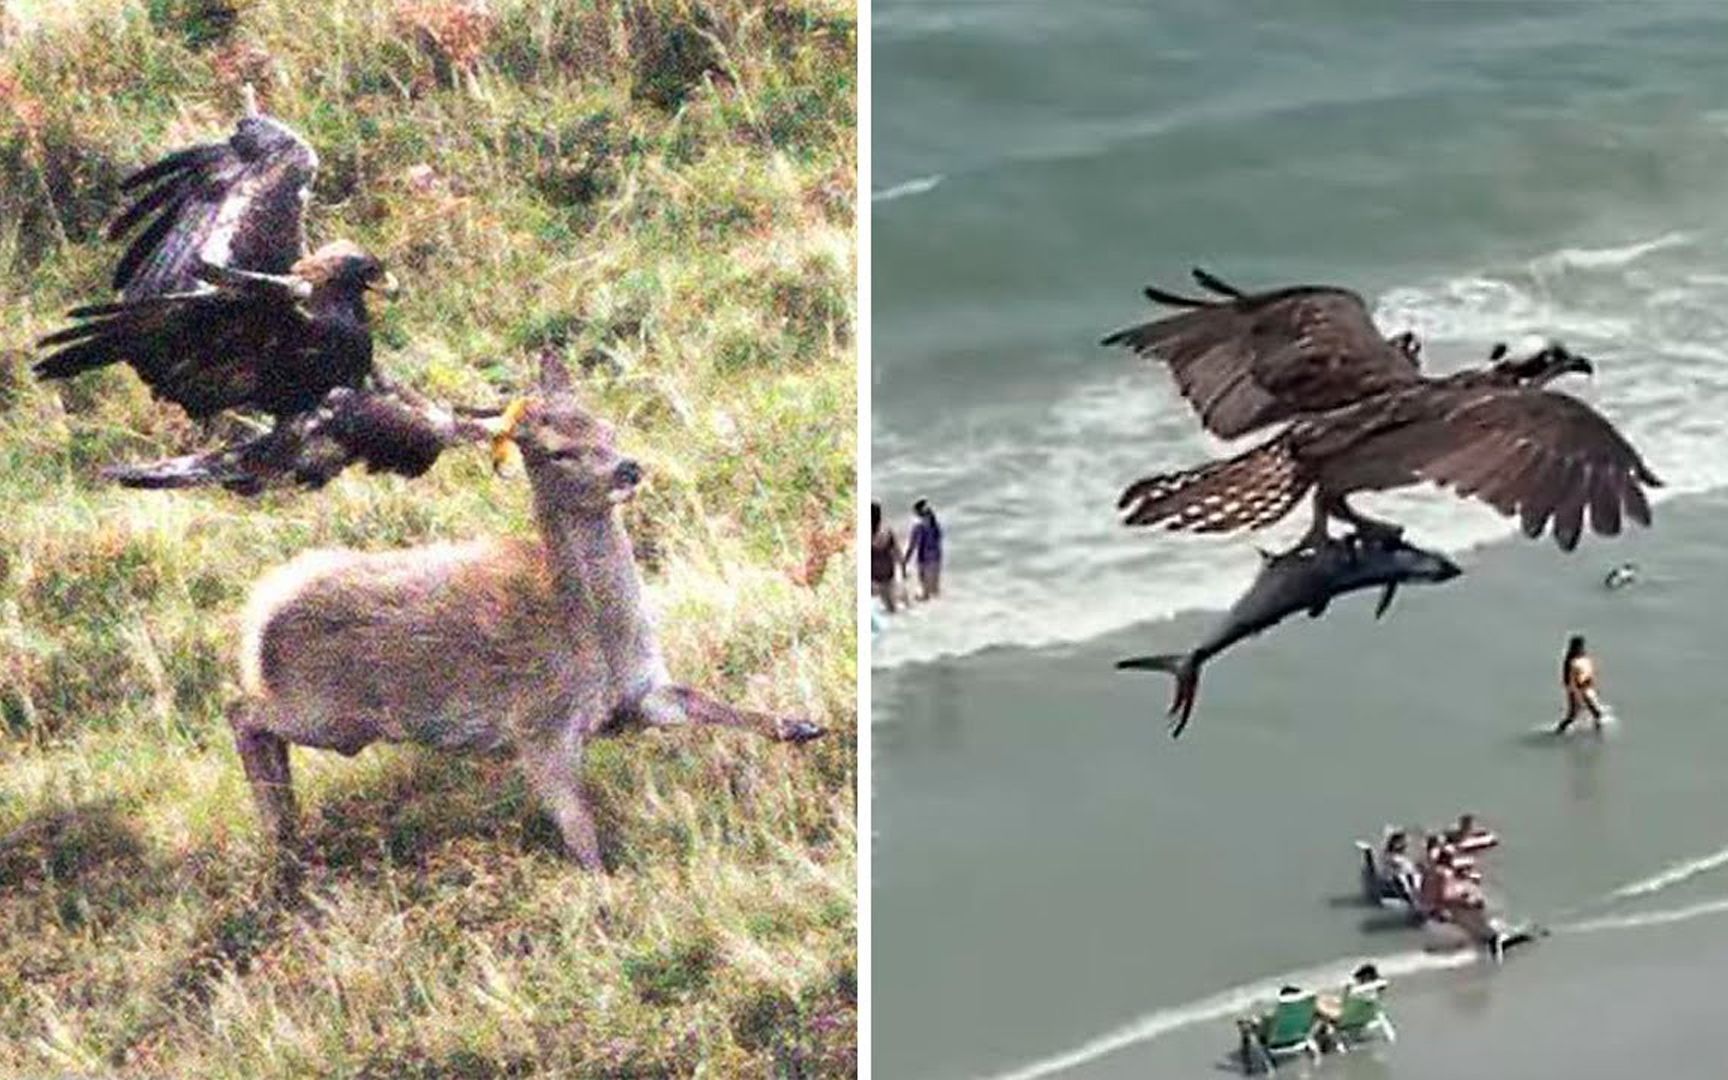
x: 1060, y: 889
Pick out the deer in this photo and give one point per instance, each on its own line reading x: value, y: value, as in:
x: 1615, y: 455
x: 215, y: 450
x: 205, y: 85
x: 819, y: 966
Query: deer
x: 531, y: 647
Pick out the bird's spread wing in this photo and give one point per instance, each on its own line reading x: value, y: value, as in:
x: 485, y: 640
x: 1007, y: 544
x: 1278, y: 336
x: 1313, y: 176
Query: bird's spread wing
x: 1249, y: 360
x: 207, y: 349
x: 1533, y: 453
x: 238, y: 203
x: 387, y: 430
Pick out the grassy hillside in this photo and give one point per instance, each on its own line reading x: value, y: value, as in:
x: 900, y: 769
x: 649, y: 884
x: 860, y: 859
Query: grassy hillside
x: 662, y: 189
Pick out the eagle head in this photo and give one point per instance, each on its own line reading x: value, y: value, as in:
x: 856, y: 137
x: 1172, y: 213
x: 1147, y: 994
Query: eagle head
x: 347, y: 266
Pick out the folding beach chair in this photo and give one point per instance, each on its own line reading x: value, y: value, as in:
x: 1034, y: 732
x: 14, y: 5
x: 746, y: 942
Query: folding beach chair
x: 1286, y: 1031
x: 1361, y: 1016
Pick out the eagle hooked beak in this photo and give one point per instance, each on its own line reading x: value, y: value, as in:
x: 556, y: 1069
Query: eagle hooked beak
x: 504, y: 446
x: 386, y: 284
x: 1580, y: 364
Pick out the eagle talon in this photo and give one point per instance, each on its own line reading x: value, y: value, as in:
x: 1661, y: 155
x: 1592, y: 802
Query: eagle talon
x: 504, y: 438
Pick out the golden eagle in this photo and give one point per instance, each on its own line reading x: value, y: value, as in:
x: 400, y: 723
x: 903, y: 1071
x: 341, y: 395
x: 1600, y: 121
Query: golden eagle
x: 222, y: 307
x: 389, y: 429
x: 1362, y: 417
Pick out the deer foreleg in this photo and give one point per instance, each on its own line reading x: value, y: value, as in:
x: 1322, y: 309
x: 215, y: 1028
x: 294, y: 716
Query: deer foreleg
x: 264, y: 756
x: 553, y: 772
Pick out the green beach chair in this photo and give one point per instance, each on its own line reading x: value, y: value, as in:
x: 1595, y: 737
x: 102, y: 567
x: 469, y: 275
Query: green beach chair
x: 1361, y: 1016
x: 1284, y: 1032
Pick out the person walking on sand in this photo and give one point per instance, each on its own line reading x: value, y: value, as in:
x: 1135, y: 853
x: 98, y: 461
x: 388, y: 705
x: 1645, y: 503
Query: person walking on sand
x: 924, y: 544
x: 884, y: 558
x: 1578, y: 677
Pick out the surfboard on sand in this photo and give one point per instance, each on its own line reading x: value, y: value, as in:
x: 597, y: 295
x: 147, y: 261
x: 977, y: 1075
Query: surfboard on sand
x: 1450, y: 937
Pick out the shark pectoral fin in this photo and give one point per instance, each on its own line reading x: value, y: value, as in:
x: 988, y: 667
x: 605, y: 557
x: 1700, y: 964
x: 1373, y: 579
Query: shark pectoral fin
x: 1386, y: 596
x: 1319, y: 608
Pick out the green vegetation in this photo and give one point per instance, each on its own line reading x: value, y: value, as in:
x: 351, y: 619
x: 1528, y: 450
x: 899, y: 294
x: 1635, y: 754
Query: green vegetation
x: 662, y: 189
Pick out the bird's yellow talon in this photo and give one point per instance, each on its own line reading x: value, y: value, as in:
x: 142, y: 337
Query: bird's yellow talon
x: 504, y: 449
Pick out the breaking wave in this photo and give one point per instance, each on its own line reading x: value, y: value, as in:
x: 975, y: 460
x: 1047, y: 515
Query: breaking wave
x: 1036, y: 557
x: 910, y: 187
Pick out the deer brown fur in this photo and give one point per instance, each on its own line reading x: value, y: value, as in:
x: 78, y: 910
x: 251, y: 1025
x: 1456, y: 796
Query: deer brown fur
x: 527, y: 646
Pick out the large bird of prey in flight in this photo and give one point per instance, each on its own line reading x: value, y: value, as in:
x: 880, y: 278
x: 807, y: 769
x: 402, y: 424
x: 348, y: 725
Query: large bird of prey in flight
x: 222, y: 307
x: 1359, y: 415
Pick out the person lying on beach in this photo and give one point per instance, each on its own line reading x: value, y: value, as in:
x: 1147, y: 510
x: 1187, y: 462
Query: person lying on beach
x: 1469, y: 835
x: 1578, y: 678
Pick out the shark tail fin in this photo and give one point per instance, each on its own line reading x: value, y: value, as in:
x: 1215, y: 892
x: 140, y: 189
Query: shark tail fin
x: 1187, y: 672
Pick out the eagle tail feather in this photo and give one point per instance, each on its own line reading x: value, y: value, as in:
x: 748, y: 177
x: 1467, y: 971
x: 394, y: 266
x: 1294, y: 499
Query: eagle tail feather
x: 1248, y: 491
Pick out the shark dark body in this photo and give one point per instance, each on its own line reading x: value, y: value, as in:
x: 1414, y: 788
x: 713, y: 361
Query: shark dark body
x: 1305, y: 579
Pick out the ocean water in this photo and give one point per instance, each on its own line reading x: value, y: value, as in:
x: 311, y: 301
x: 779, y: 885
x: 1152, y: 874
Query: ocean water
x: 1058, y: 887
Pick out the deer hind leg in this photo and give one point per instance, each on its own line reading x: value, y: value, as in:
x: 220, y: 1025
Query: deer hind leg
x: 264, y: 755
x: 553, y: 771
x: 671, y: 706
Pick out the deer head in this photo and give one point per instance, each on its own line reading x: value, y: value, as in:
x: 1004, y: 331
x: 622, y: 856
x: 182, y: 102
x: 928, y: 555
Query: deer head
x: 568, y: 450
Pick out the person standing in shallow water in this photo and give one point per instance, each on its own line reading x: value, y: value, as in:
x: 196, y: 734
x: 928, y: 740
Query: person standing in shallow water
x: 1578, y: 676
x: 924, y: 544
x: 884, y: 558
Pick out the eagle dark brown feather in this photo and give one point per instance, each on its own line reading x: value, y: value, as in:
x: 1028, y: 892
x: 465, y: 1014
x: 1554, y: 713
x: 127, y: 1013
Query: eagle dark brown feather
x: 1244, y: 363
x: 1540, y: 453
x: 387, y: 430
x: 238, y: 203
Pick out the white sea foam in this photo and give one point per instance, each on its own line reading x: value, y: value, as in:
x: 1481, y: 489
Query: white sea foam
x: 1642, y: 919
x: 1612, y: 257
x: 910, y: 187
x: 1237, y: 999
x: 1037, y: 558
x: 1672, y: 875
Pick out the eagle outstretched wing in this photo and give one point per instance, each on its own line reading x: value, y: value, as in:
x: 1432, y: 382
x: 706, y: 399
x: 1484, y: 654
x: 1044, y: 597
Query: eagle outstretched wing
x: 238, y: 203
x: 1537, y: 454
x: 231, y: 341
x: 1248, y: 360
x: 386, y: 429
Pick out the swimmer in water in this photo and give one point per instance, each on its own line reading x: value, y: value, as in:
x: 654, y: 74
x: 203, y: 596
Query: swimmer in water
x: 884, y: 559
x: 1578, y: 676
x: 924, y: 544
x: 1621, y: 576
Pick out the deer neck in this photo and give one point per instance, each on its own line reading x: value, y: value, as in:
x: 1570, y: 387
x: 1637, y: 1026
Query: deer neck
x: 593, y: 569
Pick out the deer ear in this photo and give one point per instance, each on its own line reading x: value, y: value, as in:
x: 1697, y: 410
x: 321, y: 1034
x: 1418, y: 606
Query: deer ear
x: 554, y: 376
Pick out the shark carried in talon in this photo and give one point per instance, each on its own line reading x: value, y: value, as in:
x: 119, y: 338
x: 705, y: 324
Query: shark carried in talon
x: 1306, y: 579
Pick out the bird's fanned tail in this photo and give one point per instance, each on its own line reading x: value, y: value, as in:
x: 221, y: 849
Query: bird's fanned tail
x: 1250, y: 490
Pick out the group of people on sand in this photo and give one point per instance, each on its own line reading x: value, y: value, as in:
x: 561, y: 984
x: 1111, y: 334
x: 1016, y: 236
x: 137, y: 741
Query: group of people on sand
x: 890, y: 573
x: 1445, y: 883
